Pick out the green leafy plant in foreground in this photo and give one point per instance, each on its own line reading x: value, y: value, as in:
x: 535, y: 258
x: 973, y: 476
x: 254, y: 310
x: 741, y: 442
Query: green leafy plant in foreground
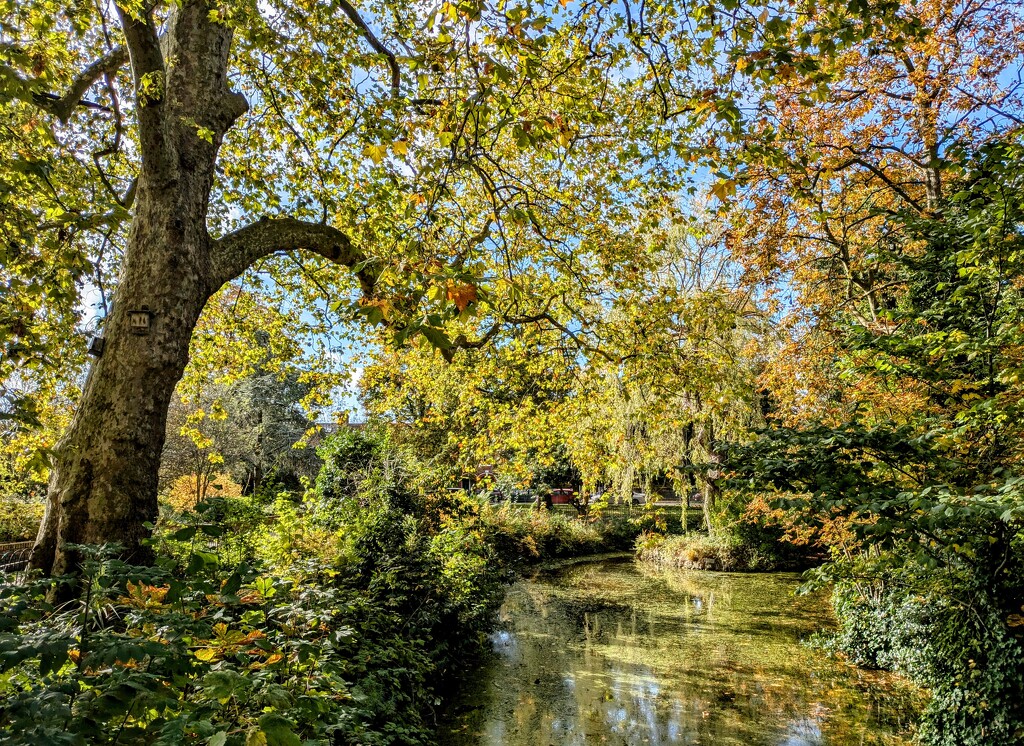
x: 221, y: 656
x: 343, y: 622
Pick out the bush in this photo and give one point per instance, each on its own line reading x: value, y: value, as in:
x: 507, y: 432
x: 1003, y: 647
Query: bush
x: 947, y: 636
x: 719, y: 551
x: 195, y: 651
x: 758, y: 538
x: 19, y: 518
x: 188, y: 490
x: 347, y: 455
x: 527, y: 535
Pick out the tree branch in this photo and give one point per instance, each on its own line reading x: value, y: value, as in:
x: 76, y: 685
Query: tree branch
x: 237, y: 251
x: 461, y: 342
x: 63, y: 106
x: 881, y: 175
x: 378, y: 47
x: 148, y: 73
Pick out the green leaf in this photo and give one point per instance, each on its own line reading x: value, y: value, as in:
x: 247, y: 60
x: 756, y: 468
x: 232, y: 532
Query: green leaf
x: 279, y: 730
x: 436, y: 337
x: 223, y: 685
x: 184, y: 534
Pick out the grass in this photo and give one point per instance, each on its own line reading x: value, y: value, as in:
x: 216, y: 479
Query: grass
x: 694, y: 551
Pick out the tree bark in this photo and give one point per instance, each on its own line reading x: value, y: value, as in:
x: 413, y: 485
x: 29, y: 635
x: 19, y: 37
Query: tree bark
x: 103, y: 485
x: 712, y: 490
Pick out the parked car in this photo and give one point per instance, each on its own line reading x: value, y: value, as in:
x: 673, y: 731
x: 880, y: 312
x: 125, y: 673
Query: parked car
x: 515, y: 496
x: 562, y: 496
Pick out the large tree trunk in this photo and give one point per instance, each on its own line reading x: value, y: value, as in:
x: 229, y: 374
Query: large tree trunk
x: 103, y: 487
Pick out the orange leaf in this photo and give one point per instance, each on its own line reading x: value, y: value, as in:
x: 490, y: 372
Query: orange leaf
x: 462, y: 295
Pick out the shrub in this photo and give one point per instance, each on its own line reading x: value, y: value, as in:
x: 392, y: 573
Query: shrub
x: 347, y: 455
x: 948, y: 636
x: 527, y: 535
x: 197, y: 651
x: 337, y: 621
x: 19, y: 518
x: 719, y: 551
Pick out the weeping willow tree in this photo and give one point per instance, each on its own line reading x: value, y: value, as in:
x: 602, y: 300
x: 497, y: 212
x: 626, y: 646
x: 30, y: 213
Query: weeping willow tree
x: 678, y: 373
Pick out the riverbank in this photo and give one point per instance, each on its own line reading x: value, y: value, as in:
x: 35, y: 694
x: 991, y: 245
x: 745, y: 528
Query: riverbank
x: 319, y: 620
x: 722, y: 552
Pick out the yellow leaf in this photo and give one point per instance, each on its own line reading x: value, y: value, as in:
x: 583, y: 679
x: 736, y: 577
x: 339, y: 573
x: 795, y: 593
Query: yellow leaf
x: 375, y: 153
x: 724, y: 189
x: 256, y: 737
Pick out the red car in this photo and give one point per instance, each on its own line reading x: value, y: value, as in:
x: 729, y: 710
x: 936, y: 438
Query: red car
x: 561, y: 496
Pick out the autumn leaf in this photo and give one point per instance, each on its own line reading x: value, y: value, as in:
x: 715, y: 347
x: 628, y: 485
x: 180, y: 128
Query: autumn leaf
x: 375, y: 153
x: 462, y: 295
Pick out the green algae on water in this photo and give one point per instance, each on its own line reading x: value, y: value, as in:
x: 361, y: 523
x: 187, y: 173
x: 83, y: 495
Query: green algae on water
x: 613, y: 653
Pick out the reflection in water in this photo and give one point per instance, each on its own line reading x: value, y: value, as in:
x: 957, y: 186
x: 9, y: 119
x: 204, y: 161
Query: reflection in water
x: 611, y: 653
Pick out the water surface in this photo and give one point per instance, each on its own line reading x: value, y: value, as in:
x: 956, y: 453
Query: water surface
x: 614, y: 653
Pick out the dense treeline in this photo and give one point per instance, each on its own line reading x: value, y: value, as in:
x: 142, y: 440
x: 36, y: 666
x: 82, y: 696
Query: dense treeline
x: 914, y: 475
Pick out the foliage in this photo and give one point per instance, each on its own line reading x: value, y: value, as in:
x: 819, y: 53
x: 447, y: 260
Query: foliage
x: 929, y: 483
x: 662, y: 371
x: 503, y: 406
x: 506, y: 186
x: 352, y: 651
x: 744, y: 545
x: 693, y: 551
x: 19, y: 518
x: 346, y: 457
x: 244, y: 404
x: 189, y: 490
x: 339, y: 618
x: 949, y: 637
x: 528, y: 535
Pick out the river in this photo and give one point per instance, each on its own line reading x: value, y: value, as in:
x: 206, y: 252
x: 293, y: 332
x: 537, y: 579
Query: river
x: 614, y: 653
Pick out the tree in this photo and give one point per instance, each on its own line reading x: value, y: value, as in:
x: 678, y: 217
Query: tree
x: 918, y: 487
x: 823, y: 171
x: 883, y: 212
x: 503, y: 405
x: 678, y: 378
x: 498, y: 141
x: 250, y: 394
x: 489, y: 122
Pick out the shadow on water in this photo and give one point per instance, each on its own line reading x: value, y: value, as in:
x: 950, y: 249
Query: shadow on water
x: 614, y: 653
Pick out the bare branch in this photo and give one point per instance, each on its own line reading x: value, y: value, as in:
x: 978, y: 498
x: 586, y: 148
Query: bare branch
x: 237, y: 251
x: 461, y: 342
x: 378, y: 47
x: 63, y: 107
